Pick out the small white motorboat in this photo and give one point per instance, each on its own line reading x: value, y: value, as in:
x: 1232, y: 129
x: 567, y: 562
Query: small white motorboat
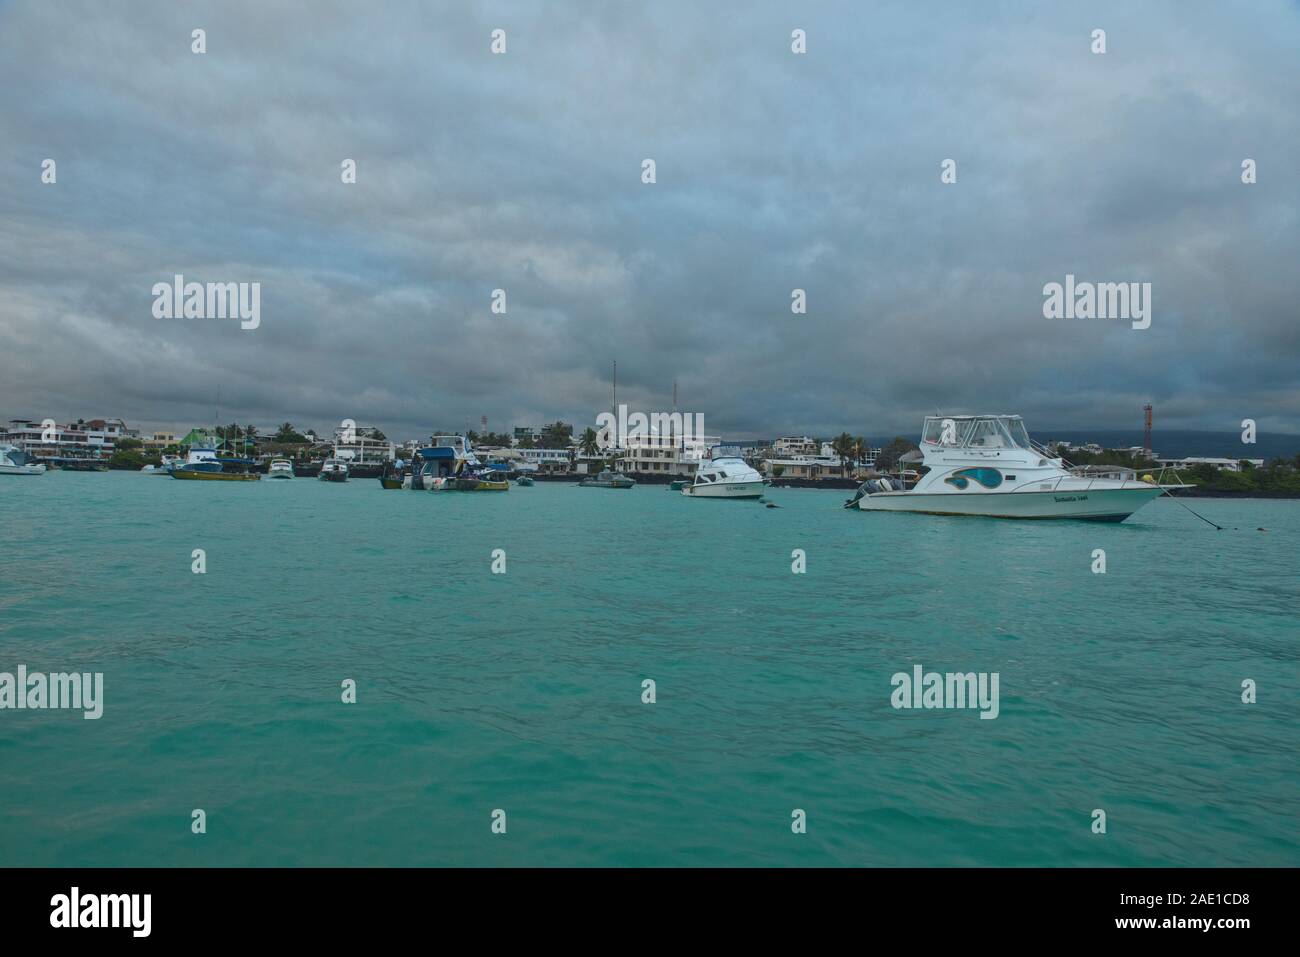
x: 280, y: 469
x: 168, y: 463
x: 334, y: 470
x: 725, y: 476
x: 14, y: 461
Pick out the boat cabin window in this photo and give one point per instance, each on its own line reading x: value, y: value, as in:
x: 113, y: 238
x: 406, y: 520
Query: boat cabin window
x: 1019, y: 434
x: 997, y: 434
x: 958, y: 435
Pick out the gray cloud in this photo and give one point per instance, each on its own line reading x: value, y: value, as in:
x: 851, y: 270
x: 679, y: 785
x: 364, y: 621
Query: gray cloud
x: 775, y: 171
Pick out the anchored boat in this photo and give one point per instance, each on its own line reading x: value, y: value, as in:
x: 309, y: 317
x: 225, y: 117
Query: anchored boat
x: 435, y: 467
x: 607, y: 479
x: 203, y: 465
x: 987, y: 465
x: 725, y: 476
x: 280, y: 469
x: 392, y: 475
x: 14, y: 461
x: 334, y: 470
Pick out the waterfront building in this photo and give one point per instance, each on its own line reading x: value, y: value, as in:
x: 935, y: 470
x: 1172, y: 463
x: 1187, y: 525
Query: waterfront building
x: 360, y: 446
x: 522, y: 432
x: 792, y: 445
x: 159, y: 440
x: 1227, y: 465
x: 664, y: 454
x: 94, y: 439
x: 543, y: 460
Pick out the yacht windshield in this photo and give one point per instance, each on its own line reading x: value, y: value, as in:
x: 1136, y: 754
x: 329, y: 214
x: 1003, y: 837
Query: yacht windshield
x: 946, y: 431
x: 1019, y: 434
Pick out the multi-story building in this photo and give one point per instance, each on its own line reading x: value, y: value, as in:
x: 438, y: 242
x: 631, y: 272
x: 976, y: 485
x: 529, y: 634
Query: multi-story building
x: 664, y: 454
x: 543, y: 460
x: 522, y: 432
x: 160, y: 440
x: 94, y: 439
x: 792, y: 445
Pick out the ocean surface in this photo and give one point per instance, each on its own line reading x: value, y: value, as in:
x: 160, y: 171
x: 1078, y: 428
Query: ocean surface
x: 522, y: 691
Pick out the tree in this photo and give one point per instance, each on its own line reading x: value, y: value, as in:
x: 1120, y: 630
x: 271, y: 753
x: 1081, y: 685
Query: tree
x: 861, y: 449
x: 842, y: 446
x: 589, y: 442
x: 892, y: 452
x: 527, y: 442
x: 556, y: 435
x: 288, y: 435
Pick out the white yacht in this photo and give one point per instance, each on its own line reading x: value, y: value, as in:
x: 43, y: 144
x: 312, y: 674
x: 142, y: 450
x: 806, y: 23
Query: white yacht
x: 14, y: 461
x: 280, y: 469
x: 987, y: 465
x: 724, y: 476
x: 334, y: 470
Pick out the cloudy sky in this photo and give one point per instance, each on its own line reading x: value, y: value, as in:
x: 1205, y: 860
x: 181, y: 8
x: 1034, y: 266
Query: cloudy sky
x: 775, y: 171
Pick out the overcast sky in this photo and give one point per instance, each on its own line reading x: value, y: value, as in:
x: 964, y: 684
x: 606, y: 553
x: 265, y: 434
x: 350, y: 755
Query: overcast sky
x: 775, y: 171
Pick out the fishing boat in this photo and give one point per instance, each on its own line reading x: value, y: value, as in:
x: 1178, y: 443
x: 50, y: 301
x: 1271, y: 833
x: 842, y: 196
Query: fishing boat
x: 200, y: 459
x: 725, y: 475
x: 334, y: 470
x: 217, y: 470
x: 393, y: 474
x: 988, y: 465
x: 479, y: 482
x: 14, y: 461
x: 607, y: 479
x: 280, y: 469
x: 436, y: 467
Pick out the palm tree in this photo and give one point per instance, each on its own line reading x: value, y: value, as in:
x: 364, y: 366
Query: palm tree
x: 861, y: 450
x: 556, y: 435
x: 589, y: 442
x: 842, y: 446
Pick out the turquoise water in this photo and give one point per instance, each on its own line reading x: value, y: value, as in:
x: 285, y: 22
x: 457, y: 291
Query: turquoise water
x: 522, y: 691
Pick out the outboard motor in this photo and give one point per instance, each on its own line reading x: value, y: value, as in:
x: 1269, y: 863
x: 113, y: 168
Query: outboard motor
x: 862, y: 490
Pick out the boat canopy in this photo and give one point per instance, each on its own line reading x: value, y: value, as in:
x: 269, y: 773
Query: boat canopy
x: 976, y: 432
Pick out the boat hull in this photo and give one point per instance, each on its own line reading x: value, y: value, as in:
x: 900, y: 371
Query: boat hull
x: 333, y: 476
x: 195, y: 475
x: 1097, y: 505
x: 480, y: 485
x: 22, y: 469
x: 737, y: 490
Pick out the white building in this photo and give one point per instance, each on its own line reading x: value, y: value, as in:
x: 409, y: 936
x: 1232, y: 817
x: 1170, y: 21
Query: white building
x: 1229, y: 465
x: 665, y: 454
x: 792, y: 445
x: 543, y: 460
x: 96, y: 438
